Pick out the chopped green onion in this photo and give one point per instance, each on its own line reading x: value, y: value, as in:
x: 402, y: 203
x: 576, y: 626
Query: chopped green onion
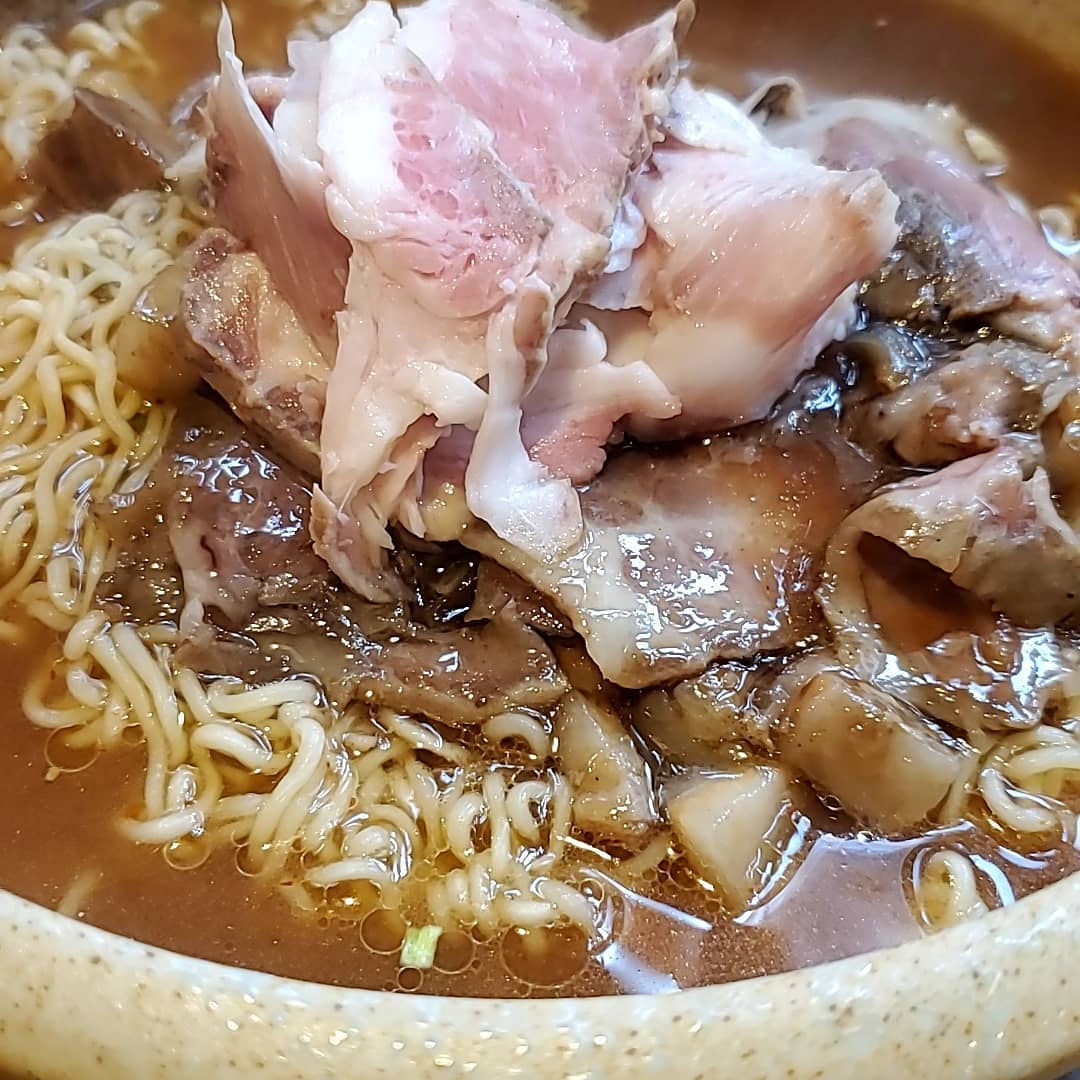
x: 418, y: 948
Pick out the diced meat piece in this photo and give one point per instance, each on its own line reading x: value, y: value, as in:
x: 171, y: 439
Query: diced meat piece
x: 980, y: 536
x: 154, y: 351
x: 102, y: 149
x: 728, y: 703
x: 990, y: 523
x: 977, y: 255
x: 734, y: 829
x: 748, y: 268
x: 659, y: 720
x: 613, y: 795
x: 257, y: 355
x: 271, y: 197
x: 497, y: 588
x: 888, y: 765
x: 968, y: 405
x: 711, y: 720
x: 699, y: 552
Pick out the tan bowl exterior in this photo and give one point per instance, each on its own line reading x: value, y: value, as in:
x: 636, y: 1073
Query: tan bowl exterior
x: 998, y: 998
x: 992, y: 1000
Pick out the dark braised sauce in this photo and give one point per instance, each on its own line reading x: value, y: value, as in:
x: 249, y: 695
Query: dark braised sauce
x: 849, y: 897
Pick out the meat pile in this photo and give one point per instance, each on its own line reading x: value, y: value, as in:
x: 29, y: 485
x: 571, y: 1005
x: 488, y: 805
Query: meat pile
x: 474, y: 246
x: 464, y: 253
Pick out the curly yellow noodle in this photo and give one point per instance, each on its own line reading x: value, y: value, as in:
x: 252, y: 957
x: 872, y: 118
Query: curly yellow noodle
x: 330, y: 802
x: 1023, y: 778
x: 946, y: 890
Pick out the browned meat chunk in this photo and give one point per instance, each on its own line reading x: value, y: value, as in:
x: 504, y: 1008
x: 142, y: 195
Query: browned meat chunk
x: 923, y: 579
x: 455, y: 676
x: 990, y: 523
x: 237, y: 521
x: 966, y: 406
x: 223, y: 519
x: 730, y: 702
x: 497, y: 587
x: 102, y: 149
x: 154, y: 351
x: 257, y: 355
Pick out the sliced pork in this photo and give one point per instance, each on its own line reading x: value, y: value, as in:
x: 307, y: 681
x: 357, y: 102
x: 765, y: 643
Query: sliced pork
x: 463, y: 249
x: 466, y: 248
x: 703, y: 551
x: 456, y: 676
x: 968, y: 251
x: 569, y: 415
x: 748, y: 266
x: 421, y: 303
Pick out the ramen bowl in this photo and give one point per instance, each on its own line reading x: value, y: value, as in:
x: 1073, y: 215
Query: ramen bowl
x: 995, y: 997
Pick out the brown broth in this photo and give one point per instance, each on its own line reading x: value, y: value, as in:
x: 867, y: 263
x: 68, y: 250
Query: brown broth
x: 56, y: 832
x: 850, y: 891
x: 913, y: 49
x: 53, y: 833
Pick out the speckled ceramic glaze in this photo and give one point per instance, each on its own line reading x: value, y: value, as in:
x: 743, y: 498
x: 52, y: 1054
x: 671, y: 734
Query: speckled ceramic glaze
x: 997, y: 998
